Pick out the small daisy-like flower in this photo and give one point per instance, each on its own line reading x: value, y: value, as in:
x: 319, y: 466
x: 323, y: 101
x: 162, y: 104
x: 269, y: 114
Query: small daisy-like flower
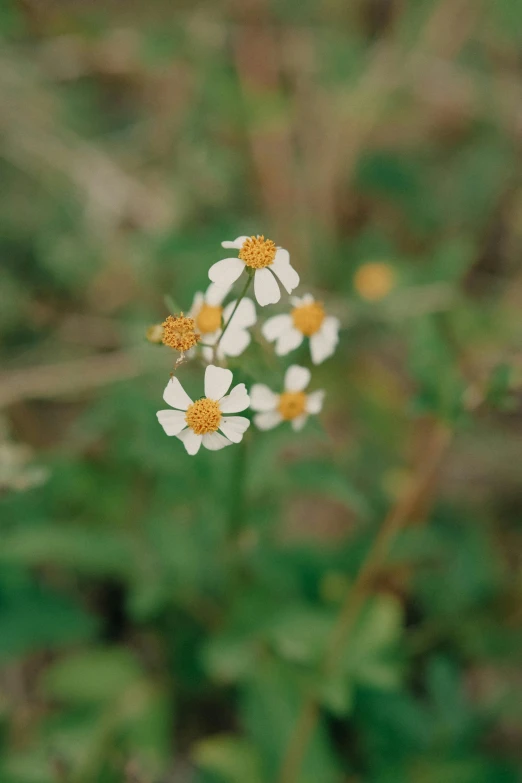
x: 307, y: 319
x: 196, y: 423
x: 209, y: 317
x: 291, y: 405
x: 267, y: 262
x: 179, y: 332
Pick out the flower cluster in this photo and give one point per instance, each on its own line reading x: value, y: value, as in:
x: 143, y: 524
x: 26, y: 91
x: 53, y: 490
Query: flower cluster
x: 214, y: 331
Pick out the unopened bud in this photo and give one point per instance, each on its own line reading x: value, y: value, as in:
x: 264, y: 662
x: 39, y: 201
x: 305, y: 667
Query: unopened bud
x: 154, y: 334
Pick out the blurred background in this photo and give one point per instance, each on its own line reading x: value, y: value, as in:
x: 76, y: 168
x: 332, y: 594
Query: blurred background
x: 238, y: 617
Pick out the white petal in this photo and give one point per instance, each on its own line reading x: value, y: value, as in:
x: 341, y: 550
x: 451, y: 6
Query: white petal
x: 266, y: 288
x: 267, y: 420
x: 331, y: 325
x: 299, y: 422
x: 234, y: 342
x: 275, y: 326
x: 262, y: 398
x: 211, y: 337
x: 226, y: 272
x: 176, y: 396
x: 234, y: 427
x: 244, y: 316
x: 196, y: 304
x: 289, y: 341
x: 285, y: 272
x: 237, y: 243
x: 282, y: 255
x: 297, y: 378
x: 238, y: 400
x: 191, y: 441
x: 314, y: 401
x: 217, y: 382
x: 214, y: 441
x: 172, y: 421
x: 322, y: 345
x: 215, y: 294
x: 298, y: 301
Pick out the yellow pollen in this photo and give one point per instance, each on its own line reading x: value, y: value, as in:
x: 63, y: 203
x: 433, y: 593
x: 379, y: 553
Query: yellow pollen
x: 179, y: 332
x: 203, y: 416
x: 292, y: 404
x: 308, y: 318
x: 209, y: 318
x: 258, y: 252
x: 374, y: 281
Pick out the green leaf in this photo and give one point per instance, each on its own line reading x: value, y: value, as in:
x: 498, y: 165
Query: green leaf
x: 82, y: 549
x: 499, y: 386
x: 369, y: 654
x: 232, y: 759
x: 299, y: 633
x: 93, y: 676
x: 436, y: 371
x: 336, y: 693
x: 41, y: 620
x: 271, y: 703
x: 229, y: 657
x: 323, y: 478
x: 33, y: 767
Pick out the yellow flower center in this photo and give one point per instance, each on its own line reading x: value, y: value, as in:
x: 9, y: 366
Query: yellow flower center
x: 203, y: 416
x: 374, y: 281
x: 179, y: 332
x: 209, y: 318
x: 292, y: 404
x: 258, y: 252
x: 308, y: 318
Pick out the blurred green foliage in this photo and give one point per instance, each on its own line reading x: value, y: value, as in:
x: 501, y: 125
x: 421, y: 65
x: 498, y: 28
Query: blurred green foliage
x: 164, y: 618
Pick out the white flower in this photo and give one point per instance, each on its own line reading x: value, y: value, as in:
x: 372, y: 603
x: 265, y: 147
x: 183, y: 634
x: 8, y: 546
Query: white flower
x: 209, y: 316
x: 268, y: 263
x: 292, y: 405
x: 307, y: 319
x: 198, y: 422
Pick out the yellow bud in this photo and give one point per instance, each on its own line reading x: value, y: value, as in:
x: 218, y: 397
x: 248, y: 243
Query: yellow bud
x: 373, y: 281
x: 154, y: 334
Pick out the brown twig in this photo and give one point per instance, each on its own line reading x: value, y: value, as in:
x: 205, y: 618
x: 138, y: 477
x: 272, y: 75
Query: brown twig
x: 421, y: 487
x: 34, y: 139
x: 70, y: 377
x: 257, y: 56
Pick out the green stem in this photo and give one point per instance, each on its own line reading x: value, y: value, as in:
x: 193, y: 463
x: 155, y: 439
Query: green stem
x: 171, y: 304
x: 236, y: 566
x: 232, y: 314
x: 237, y: 506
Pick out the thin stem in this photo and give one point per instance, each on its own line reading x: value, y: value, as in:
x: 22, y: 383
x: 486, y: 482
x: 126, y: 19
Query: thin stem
x: 237, y: 507
x: 232, y: 314
x: 237, y: 567
x: 405, y: 510
x: 171, y: 304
